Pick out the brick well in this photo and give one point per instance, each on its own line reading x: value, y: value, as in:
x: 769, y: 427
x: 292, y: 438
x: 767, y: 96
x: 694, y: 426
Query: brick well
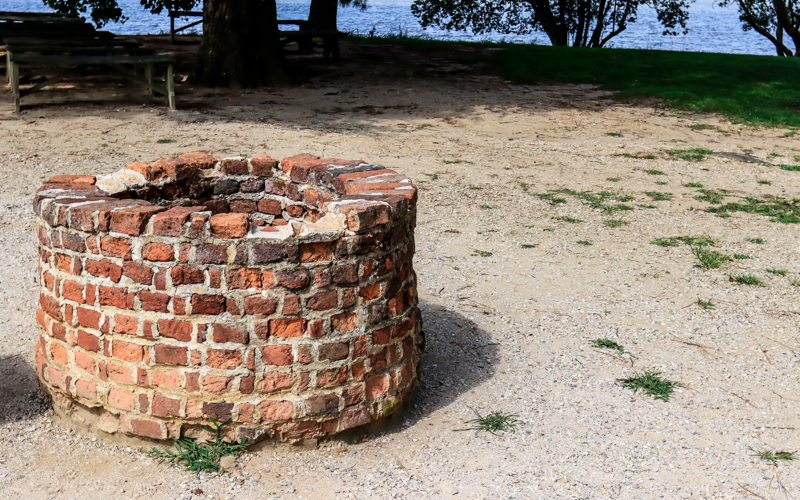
x: 280, y: 294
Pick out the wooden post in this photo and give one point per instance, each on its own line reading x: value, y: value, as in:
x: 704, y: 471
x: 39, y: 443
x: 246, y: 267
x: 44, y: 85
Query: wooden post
x: 170, y: 88
x: 148, y: 75
x: 13, y: 71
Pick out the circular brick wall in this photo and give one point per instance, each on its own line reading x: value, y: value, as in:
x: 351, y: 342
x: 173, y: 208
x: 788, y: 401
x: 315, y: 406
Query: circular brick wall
x: 278, y: 294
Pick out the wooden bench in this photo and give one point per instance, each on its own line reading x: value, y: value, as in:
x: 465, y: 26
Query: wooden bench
x: 304, y: 36
x: 173, y: 14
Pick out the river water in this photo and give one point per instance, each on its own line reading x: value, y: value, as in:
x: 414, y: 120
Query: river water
x: 711, y: 28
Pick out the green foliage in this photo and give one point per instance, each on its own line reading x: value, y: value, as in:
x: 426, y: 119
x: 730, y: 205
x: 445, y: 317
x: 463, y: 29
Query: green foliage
x: 613, y: 179
x: 755, y: 90
x: 704, y: 240
x: 693, y: 185
x: 706, y: 304
x: 494, y: 423
x: 652, y: 384
x: 615, y: 223
x: 779, y: 272
x: 762, y: 181
x: 767, y: 17
x: 702, y: 126
x: 746, y: 279
x: 790, y: 168
x: 481, y: 253
x: 665, y: 242
x: 709, y: 259
x: 774, y: 456
x: 584, y: 243
x: 608, y: 344
x: 614, y: 134
x: 692, y: 154
x: 570, y: 220
x: 710, y: 196
x: 488, y: 207
x: 757, y: 241
x: 658, y: 196
x: 779, y: 209
x: 201, y: 457
x: 528, y: 245
x: 105, y: 11
x: 740, y: 256
x: 164, y: 141
x: 653, y: 171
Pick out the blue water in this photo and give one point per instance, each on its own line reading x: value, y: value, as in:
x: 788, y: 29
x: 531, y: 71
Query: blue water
x: 711, y: 28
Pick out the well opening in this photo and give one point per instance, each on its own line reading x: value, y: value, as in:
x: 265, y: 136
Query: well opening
x: 279, y: 294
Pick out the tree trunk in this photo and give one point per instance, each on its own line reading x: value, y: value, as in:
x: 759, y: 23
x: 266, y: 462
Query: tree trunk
x: 240, y: 46
x: 322, y: 14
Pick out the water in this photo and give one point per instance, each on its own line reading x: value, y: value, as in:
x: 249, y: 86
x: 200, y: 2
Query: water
x: 711, y: 28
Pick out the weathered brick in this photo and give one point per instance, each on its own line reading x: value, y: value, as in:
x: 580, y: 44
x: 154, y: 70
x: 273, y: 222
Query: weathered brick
x: 171, y: 355
x: 152, y: 173
x: 139, y: 273
x: 176, y: 169
x: 363, y: 215
x: 112, y: 246
x: 353, y: 395
x: 322, y: 301
x: 229, y: 225
x: 243, y: 206
x: 116, y: 297
x: 344, y: 322
x: 104, y: 268
x: 316, y: 328
x: 230, y: 333
x: 377, y: 386
x: 263, y: 165
x: 213, y: 384
x: 85, y: 361
x: 74, y: 242
x: 174, y: 329
x: 127, y: 351
x: 73, y: 291
x: 234, y: 166
x: 152, y: 301
x: 148, y: 428
x: 323, y: 404
x: 287, y: 327
x: 198, y: 159
x: 258, y: 304
x: 159, y: 252
x: 183, y: 275
x: 121, y: 398
x: 270, y: 206
x: 276, y: 381
x: 276, y: 411
x: 169, y: 379
x: 88, y: 318
x: 224, y: 359
x: 293, y: 279
x: 356, y: 417
x: 165, y: 407
x: 58, y: 353
x: 220, y: 411
x: 243, y: 278
x: 277, y: 355
x: 334, y: 351
x: 211, y: 254
x: 208, y: 304
x: 334, y: 376
x: 344, y: 274
x: 126, y: 325
x: 132, y: 221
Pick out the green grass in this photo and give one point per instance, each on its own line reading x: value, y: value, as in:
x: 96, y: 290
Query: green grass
x: 702, y: 126
x: 779, y: 272
x: 706, y: 304
x: 757, y: 241
x: 709, y: 259
x: 740, y: 256
x: 757, y: 90
x: 199, y: 457
x: 584, y: 243
x: 653, y: 171
x: 164, y: 141
x: 550, y: 197
x: 659, y: 196
x: 598, y: 200
x: 481, y: 253
x: 665, y: 242
x: 692, y: 154
x: 488, y: 207
x: 765, y: 182
x: 704, y: 240
x: 608, y: 344
x: 778, y: 209
x: 494, y: 423
x: 774, y: 456
x: 614, y: 134
x: 570, y: 220
x: 615, y: 223
x: 528, y: 245
x: 662, y: 183
x: 796, y: 282
x: 790, y: 168
x: 693, y: 185
x: 710, y: 196
x: 652, y: 384
x: 549, y: 229
x: 454, y: 162
x: 746, y: 279
x: 638, y: 156
x: 613, y: 179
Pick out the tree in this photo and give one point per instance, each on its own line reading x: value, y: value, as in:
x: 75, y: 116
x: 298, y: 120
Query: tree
x: 580, y: 23
x: 323, y: 13
x: 765, y: 16
x: 240, y: 45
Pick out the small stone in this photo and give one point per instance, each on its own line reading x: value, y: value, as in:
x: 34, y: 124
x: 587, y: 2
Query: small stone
x: 227, y: 463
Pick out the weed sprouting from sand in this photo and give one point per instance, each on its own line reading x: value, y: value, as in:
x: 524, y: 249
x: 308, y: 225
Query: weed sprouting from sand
x: 608, y: 344
x: 796, y: 282
x: 495, y: 423
x: 528, y: 245
x: 652, y: 384
x: 757, y: 241
x: 613, y: 179
x: 779, y: 272
x: 706, y: 304
x: 481, y: 253
x: 570, y: 220
x: 653, y: 171
x: 710, y: 195
x: 584, y: 243
x: 746, y: 279
x: 765, y: 182
x: 455, y: 162
x: 549, y: 197
x: 775, y: 456
x: 615, y: 223
x: 704, y: 240
x: 488, y: 207
x: 779, y: 209
x: 790, y: 168
x: 702, y: 126
x: 164, y: 141
x: 693, y: 185
x: 662, y: 183
x: 614, y: 134
x: 665, y: 242
x: 659, y: 196
x: 709, y: 259
x: 741, y: 256
x: 692, y: 154
x: 200, y: 457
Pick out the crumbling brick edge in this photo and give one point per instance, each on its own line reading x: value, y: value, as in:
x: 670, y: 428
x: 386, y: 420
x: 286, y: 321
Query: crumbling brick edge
x: 279, y: 294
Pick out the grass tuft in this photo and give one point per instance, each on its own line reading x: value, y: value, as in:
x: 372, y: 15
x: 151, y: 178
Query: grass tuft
x: 658, y: 196
x: 774, y: 456
x: 693, y: 185
x: 481, y: 253
x: 571, y: 220
x: 199, y: 457
x: 790, y: 168
x: 741, y: 256
x: 706, y: 304
x: 653, y: 171
x: 652, y: 384
x: 711, y: 196
x: 779, y: 272
x: 709, y: 259
x: 614, y: 134
x: 692, y: 154
x: 757, y: 241
x: 613, y: 179
x: 584, y: 243
x: 164, y: 141
x: 494, y: 423
x: 746, y: 279
x: 608, y: 344
x: 615, y: 223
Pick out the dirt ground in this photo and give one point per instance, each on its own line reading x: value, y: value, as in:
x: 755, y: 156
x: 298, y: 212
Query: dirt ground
x: 511, y: 299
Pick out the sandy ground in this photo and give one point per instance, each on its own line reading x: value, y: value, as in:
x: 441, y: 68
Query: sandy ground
x: 511, y: 300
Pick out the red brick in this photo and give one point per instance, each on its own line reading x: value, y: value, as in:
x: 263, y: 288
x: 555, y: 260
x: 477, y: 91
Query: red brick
x: 127, y: 351
x: 220, y: 411
x: 233, y: 166
x: 152, y: 173
x: 322, y: 301
x: 356, y: 418
x: 178, y: 305
x: 353, y: 395
x: 344, y: 274
x: 295, y: 211
x: 198, y: 159
x: 377, y: 386
x: 159, y: 252
x: 170, y: 379
x: 132, y: 221
x: 88, y: 318
x: 263, y: 165
x: 197, y: 224
x: 316, y: 328
x: 58, y: 353
x: 71, y: 179
x: 104, y: 268
x: 88, y: 341
x: 176, y: 169
x: 86, y: 362
x: 59, y: 331
x: 304, y: 354
x: 322, y: 278
x: 86, y: 390
x: 51, y: 306
x: 119, y: 373
x: 171, y: 355
x: 73, y: 242
x: 193, y: 382
x: 258, y: 304
x: 166, y: 407
x: 344, y: 322
x: 178, y: 330
x: 293, y: 279
x: 334, y: 351
x: 246, y: 411
x: 73, y: 291
x: 243, y: 206
x: 334, y: 376
x: 208, y: 304
x: 116, y: 297
x: 230, y: 333
x: 277, y: 355
x: 154, y: 301
x: 213, y: 384
x: 121, y: 398
x: 243, y: 278
x: 275, y: 381
x: 322, y: 404
x: 276, y: 411
x: 211, y: 254
x: 148, y: 428
x: 126, y: 325
x: 224, y: 359
x: 229, y: 225
x: 287, y: 327
x: 291, y: 305
x: 183, y: 275
x: 111, y: 246
x: 315, y: 252
x: 365, y: 214
x: 139, y: 273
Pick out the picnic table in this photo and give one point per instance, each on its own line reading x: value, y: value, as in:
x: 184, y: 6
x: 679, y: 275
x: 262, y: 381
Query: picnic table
x: 40, y: 41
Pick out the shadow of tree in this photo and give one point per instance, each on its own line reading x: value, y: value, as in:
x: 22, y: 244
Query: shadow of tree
x: 20, y: 397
